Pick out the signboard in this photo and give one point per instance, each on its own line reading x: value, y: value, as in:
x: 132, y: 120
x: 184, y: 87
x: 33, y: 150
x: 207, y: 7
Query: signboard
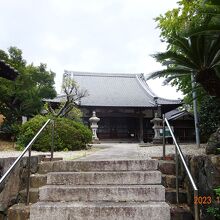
x: 167, y: 132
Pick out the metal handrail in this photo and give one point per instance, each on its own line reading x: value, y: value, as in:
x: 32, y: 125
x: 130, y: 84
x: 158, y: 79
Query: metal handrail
x: 28, y: 148
x: 179, y: 151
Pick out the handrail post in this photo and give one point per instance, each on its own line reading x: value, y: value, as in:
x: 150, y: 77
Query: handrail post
x: 196, y: 206
x: 28, y: 175
x: 52, y: 146
x: 27, y: 148
x: 180, y: 154
x: 164, y: 140
x: 177, y: 176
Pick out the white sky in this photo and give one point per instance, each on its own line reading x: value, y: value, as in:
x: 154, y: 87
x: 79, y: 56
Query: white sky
x: 87, y: 35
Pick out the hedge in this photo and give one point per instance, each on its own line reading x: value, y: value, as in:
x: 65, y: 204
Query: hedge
x: 68, y: 134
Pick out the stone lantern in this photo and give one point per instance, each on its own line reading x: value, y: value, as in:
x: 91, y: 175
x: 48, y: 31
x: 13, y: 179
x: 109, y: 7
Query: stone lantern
x: 94, y: 126
x: 157, y: 126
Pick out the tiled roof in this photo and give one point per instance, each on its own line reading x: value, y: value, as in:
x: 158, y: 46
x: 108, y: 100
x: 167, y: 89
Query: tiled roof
x: 176, y: 113
x: 121, y: 90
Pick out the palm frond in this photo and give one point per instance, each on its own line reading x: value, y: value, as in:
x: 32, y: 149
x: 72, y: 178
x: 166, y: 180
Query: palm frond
x: 217, y: 70
x: 210, y: 29
x: 170, y: 78
x: 214, y: 58
x: 201, y: 48
x: 212, y: 2
x: 183, y: 45
x: 170, y: 71
x: 175, y: 58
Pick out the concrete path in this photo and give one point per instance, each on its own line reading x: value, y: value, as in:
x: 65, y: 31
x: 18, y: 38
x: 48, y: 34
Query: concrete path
x: 116, y: 151
x: 128, y: 151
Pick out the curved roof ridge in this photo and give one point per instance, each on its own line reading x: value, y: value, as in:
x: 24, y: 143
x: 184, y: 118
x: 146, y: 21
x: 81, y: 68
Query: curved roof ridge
x: 145, y: 86
x: 165, y: 99
x: 101, y: 74
x: 148, y: 90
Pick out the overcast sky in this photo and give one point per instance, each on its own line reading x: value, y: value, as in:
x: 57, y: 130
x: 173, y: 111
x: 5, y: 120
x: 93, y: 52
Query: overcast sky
x: 87, y: 35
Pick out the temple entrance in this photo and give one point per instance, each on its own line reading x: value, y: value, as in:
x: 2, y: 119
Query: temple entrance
x: 118, y: 128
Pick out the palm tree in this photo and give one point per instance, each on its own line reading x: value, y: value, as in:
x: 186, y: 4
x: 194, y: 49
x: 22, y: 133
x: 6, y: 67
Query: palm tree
x: 199, y: 55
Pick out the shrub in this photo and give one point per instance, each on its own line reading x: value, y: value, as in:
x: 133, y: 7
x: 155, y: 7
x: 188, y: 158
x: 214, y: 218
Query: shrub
x: 68, y: 134
x: 214, y: 210
x: 209, y: 116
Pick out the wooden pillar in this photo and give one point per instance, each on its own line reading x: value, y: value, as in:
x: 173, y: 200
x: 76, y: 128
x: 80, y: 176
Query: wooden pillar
x: 141, y: 131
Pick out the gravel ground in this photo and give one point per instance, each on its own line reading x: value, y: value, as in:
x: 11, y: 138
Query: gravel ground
x: 147, y: 151
x: 133, y: 150
x: 187, y: 149
x: 66, y: 155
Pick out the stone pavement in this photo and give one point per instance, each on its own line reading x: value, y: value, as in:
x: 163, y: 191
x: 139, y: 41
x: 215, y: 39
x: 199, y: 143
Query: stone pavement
x: 114, y: 151
x: 134, y: 151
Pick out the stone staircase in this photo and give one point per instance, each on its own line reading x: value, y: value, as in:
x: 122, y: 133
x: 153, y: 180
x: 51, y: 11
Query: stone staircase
x: 101, y: 190
x: 20, y: 211
x: 179, y: 211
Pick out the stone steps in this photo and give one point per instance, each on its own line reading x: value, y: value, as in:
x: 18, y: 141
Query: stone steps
x: 100, y: 178
x: 19, y: 212
x: 170, y: 195
x: 178, y: 211
x: 105, y: 165
x: 167, y: 167
x: 169, y: 181
x: 101, y: 190
x: 100, y: 211
x: 33, y: 193
x: 117, y: 193
x: 38, y: 180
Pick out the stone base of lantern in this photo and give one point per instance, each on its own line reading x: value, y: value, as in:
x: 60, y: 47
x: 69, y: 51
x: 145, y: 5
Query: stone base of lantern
x: 157, y: 141
x: 96, y: 141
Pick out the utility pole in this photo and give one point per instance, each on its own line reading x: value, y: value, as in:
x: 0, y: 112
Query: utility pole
x: 196, y: 120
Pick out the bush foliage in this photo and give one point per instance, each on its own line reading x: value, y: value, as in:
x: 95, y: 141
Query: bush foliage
x: 68, y: 134
x: 209, y: 116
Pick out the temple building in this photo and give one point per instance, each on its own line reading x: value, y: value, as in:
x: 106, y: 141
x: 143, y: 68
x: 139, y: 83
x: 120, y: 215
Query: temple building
x: 124, y: 103
x: 183, y: 124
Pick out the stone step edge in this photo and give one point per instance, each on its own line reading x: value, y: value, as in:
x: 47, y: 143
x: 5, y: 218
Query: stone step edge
x: 104, y: 178
x: 38, y: 175
x: 100, y: 210
x: 104, y: 172
x: 31, y: 190
x: 54, y: 164
x: 103, y: 193
x: 100, y: 161
x: 99, y: 204
x: 104, y: 186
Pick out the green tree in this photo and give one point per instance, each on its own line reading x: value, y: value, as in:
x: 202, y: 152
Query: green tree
x: 192, y: 33
x: 23, y: 97
x: 189, y: 17
x: 209, y: 116
x: 199, y: 55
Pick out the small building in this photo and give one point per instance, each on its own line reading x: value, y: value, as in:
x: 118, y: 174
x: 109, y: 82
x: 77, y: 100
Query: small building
x: 183, y: 124
x: 7, y: 72
x: 124, y: 103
